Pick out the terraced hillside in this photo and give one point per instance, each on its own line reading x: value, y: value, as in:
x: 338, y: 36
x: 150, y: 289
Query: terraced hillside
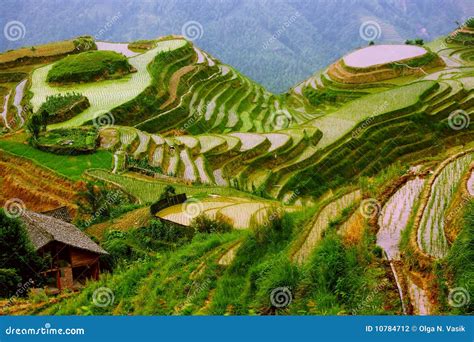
x: 351, y: 191
x: 177, y: 86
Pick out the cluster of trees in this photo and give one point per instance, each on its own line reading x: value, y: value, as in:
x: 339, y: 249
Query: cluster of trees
x: 53, y: 105
x: 19, y: 262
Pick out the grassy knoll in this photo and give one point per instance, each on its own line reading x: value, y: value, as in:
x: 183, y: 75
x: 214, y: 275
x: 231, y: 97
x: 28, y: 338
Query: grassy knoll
x: 89, y: 66
x: 69, y: 166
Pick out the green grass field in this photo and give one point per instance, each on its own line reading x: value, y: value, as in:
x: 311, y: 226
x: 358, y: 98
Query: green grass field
x: 71, y: 167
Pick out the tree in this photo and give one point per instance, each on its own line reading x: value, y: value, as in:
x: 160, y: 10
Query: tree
x: 97, y: 201
x: 168, y: 192
x: 18, y: 257
x: 34, y: 125
x: 204, y: 224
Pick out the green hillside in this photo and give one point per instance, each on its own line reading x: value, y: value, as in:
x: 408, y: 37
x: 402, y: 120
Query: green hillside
x: 351, y: 193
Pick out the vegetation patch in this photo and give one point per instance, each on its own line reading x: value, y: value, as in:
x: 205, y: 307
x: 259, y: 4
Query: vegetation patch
x: 19, y: 260
x: 62, y: 107
x: 326, y: 96
x: 89, y: 66
x: 70, y: 141
x: 71, y: 166
x: 459, y: 262
x: 142, y: 45
x: 46, y: 52
x: 416, y: 62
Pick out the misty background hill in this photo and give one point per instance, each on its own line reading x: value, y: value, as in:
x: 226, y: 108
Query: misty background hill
x: 277, y: 43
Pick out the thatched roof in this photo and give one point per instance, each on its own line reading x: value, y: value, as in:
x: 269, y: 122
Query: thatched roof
x: 43, y: 229
x: 61, y: 213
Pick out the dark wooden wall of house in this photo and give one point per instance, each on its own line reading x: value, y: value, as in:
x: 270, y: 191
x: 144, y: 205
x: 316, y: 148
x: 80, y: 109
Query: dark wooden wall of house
x: 81, y: 257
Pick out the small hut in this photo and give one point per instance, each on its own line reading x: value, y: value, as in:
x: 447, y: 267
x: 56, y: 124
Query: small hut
x: 73, y: 256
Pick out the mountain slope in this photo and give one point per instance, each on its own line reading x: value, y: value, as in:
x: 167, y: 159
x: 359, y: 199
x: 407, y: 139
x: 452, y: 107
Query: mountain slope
x: 309, y: 34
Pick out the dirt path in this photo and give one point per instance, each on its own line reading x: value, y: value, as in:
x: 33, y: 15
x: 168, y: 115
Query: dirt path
x: 174, y: 82
x: 227, y: 258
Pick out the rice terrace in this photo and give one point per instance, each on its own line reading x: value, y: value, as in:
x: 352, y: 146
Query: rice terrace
x: 151, y: 178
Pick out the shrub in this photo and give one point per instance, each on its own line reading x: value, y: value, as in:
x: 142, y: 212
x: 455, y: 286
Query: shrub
x: 142, y: 165
x: 417, y: 41
x: 84, y: 43
x: 204, y: 224
x: 17, y: 253
x: 158, y: 230
x: 168, y: 192
x: 89, y: 66
x: 317, y: 97
x: 62, y: 107
x: 98, y: 201
x: 9, y: 279
x: 115, y: 244
x: 142, y: 45
x: 38, y: 296
x: 470, y: 22
x: 35, y: 125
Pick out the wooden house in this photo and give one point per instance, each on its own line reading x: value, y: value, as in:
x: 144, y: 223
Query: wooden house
x: 72, y: 256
